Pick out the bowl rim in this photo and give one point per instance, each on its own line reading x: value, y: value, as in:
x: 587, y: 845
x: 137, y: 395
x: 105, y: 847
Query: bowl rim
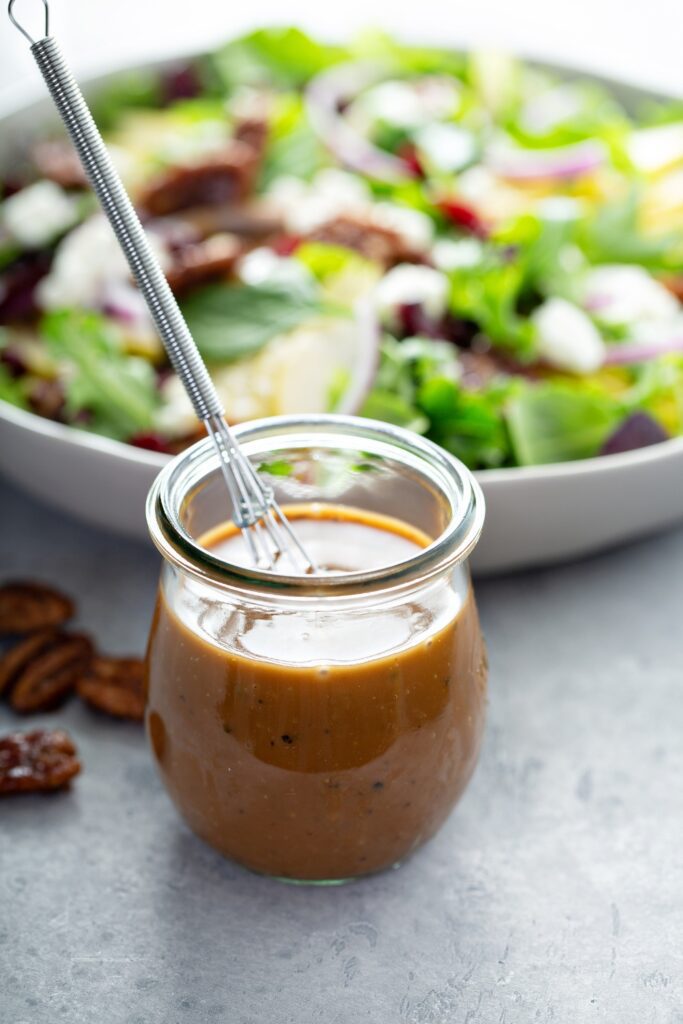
x: 12, y: 104
x: 61, y: 432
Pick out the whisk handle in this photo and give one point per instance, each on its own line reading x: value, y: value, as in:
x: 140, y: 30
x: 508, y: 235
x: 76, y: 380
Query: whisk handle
x: 107, y: 185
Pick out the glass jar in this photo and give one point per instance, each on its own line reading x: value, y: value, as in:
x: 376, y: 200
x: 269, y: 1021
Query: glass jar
x: 317, y: 728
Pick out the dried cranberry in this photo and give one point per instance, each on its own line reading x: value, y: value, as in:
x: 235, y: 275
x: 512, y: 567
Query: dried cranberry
x: 151, y: 443
x: 182, y: 83
x: 286, y: 245
x: 637, y: 431
x: 461, y: 332
x: 408, y: 155
x: 18, y: 286
x: 415, y: 321
x: 13, y: 362
x: 10, y: 187
x: 463, y: 217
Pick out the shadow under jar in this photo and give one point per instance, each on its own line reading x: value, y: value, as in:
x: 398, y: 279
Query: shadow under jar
x: 318, y: 728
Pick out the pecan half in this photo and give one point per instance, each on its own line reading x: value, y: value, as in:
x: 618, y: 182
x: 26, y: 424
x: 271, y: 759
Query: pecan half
x: 57, y: 160
x: 115, y: 686
x: 52, y: 675
x: 253, y: 131
x: 15, y: 660
x: 203, y: 261
x: 674, y: 283
x: 225, y: 176
x: 375, y: 242
x: 37, y: 761
x: 25, y: 607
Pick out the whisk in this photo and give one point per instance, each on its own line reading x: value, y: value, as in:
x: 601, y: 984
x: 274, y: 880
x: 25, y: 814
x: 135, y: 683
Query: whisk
x: 267, y: 533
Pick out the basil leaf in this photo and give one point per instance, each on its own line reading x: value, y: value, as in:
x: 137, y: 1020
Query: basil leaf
x: 231, y: 321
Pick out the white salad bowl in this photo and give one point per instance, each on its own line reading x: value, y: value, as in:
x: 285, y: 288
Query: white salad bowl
x: 535, y: 515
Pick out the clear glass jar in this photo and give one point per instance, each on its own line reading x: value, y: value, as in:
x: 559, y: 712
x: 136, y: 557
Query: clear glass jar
x: 318, y: 728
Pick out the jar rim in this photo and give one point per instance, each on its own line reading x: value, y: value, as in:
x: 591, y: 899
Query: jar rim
x: 456, y: 483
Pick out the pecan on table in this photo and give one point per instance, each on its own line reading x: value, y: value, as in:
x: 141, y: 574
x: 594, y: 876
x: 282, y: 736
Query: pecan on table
x: 37, y: 761
x: 26, y: 607
x: 115, y: 686
x: 14, y: 661
x: 200, y: 262
x: 48, y: 678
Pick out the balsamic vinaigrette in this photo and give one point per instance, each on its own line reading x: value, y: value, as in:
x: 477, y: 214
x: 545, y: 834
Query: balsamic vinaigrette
x: 322, y: 741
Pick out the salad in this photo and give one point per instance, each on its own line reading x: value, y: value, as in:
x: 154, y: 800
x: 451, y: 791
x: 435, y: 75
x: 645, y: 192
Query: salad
x: 456, y: 243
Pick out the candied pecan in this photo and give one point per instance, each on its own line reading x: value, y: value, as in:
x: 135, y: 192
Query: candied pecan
x: 253, y: 131
x: 251, y: 220
x: 26, y: 606
x: 57, y: 160
x: 225, y: 176
x: 195, y: 264
x: 37, y: 761
x: 47, y: 398
x: 15, y: 660
x: 674, y: 283
x: 115, y: 686
x: 52, y: 675
x: 377, y: 243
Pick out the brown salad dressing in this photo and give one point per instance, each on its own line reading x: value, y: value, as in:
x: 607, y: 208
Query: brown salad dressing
x: 326, y: 754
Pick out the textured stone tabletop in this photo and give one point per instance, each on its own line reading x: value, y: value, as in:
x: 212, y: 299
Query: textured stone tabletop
x: 554, y: 892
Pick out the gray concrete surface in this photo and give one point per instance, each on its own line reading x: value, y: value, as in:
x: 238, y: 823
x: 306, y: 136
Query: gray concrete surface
x: 554, y: 893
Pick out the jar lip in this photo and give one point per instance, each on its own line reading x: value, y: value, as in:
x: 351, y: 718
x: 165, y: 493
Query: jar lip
x: 457, y: 485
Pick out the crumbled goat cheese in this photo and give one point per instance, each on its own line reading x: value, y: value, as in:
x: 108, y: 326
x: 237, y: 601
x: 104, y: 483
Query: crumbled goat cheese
x: 36, y: 215
x: 567, y: 338
x: 86, y: 261
x: 407, y: 285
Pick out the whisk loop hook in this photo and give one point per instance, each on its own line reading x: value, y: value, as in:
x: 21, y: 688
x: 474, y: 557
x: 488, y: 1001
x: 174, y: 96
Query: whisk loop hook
x: 24, y: 32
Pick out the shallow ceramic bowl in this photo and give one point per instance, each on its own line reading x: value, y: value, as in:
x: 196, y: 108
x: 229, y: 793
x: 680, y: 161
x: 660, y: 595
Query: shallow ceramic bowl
x: 535, y: 515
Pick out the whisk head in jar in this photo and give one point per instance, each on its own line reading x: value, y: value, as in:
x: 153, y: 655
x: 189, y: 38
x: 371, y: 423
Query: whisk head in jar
x: 266, y: 530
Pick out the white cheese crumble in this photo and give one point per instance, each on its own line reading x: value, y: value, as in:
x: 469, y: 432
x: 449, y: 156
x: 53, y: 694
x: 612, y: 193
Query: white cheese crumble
x: 567, y: 338
x: 85, y: 263
x: 37, y: 214
x: 408, y: 104
x: 408, y: 285
x: 263, y: 266
x: 626, y: 294
x: 446, y: 147
x: 655, y: 149
x: 448, y: 254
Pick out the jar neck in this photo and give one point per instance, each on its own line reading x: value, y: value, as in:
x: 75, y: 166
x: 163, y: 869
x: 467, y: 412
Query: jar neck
x: 377, y: 460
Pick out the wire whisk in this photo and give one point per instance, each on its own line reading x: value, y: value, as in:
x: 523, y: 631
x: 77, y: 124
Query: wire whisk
x: 266, y: 530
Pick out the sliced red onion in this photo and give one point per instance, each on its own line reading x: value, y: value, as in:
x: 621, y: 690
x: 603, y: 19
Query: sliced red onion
x: 121, y: 301
x: 641, y: 352
x: 546, y: 164
x: 367, y: 361
x: 326, y: 96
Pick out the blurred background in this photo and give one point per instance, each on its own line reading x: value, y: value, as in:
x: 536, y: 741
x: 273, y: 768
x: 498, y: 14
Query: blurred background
x: 638, y: 41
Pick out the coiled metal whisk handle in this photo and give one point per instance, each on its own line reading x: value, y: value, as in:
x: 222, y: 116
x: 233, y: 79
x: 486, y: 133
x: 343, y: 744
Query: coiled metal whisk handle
x: 104, y: 179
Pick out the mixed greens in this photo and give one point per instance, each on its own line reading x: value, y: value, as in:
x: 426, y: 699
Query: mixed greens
x: 460, y: 244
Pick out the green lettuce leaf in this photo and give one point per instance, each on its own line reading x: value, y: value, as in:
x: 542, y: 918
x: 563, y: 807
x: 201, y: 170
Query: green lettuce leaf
x: 128, y: 91
x: 612, y: 235
x: 282, y: 57
x: 230, y: 321
x: 118, y: 391
x: 558, y: 422
x: 489, y: 294
x: 293, y: 147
